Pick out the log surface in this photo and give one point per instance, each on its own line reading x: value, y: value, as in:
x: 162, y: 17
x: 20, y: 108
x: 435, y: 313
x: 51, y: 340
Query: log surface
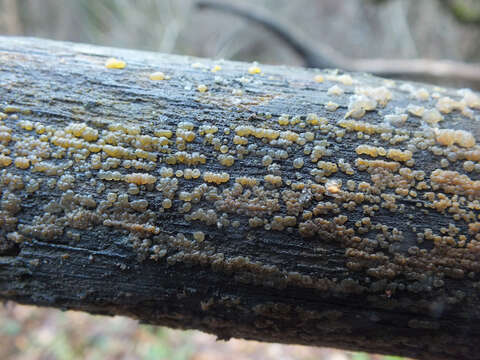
x: 268, y: 203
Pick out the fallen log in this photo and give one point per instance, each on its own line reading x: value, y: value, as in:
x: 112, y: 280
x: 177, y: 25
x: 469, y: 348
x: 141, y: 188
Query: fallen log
x: 260, y: 202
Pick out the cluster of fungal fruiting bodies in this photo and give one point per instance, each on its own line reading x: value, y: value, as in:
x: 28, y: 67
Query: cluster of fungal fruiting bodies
x: 336, y: 173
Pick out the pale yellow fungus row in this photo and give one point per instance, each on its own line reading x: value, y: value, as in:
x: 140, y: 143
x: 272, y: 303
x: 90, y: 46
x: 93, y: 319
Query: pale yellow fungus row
x: 399, y: 155
x: 274, y: 180
x: 140, y: 179
x: 328, y: 167
x: 163, y: 133
x: 246, y: 130
x: 246, y: 181
x: 217, y: 178
x: 22, y: 162
x: 128, y: 129
x: 364, y: 127
x: 373, y: 151
x: 363, y: 164
x: 449, y: 137
x: 345, y: 79
x: 455, y: 183
x: 83, y: 131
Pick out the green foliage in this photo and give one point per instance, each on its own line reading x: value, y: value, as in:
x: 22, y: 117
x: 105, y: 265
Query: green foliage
x: 467, y: 11
x: 164, y: 349
x: 360, y: 356
x: 365, y: 356
x: 10, y: 328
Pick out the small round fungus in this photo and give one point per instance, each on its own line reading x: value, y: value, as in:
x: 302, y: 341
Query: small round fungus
x: 157, y: 76
x: 167, y: 203
x: 202, y: 88
x: 254, y: 69
x: 298, y: 163
x: 5, y: 160
x: 432, y: 116
x: 113, y: 63
x: 199, y: 236
x: 333, y: 186
x: 216, y: 68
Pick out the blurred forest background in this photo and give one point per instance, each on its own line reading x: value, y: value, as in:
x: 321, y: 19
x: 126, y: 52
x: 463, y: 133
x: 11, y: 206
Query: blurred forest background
x: 438, y: 29
x: 401, y: 29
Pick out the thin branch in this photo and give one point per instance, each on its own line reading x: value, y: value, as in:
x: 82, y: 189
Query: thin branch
x: 319, y: 55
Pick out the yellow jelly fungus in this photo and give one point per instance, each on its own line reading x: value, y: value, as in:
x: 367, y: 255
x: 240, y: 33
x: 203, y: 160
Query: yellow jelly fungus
x: 216, y: 68
x: 283, y: 120
x: 26, y: 125
x: 157, y: 76
x: 202, y: 88
x: 22, y: 163
x: 11, y: 109
x: 254, y: 70
x: 5, y: 160
x: 333, y: 186
x: 113, y: 63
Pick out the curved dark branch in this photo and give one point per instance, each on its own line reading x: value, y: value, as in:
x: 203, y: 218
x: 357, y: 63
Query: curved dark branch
x: 318, y: 55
